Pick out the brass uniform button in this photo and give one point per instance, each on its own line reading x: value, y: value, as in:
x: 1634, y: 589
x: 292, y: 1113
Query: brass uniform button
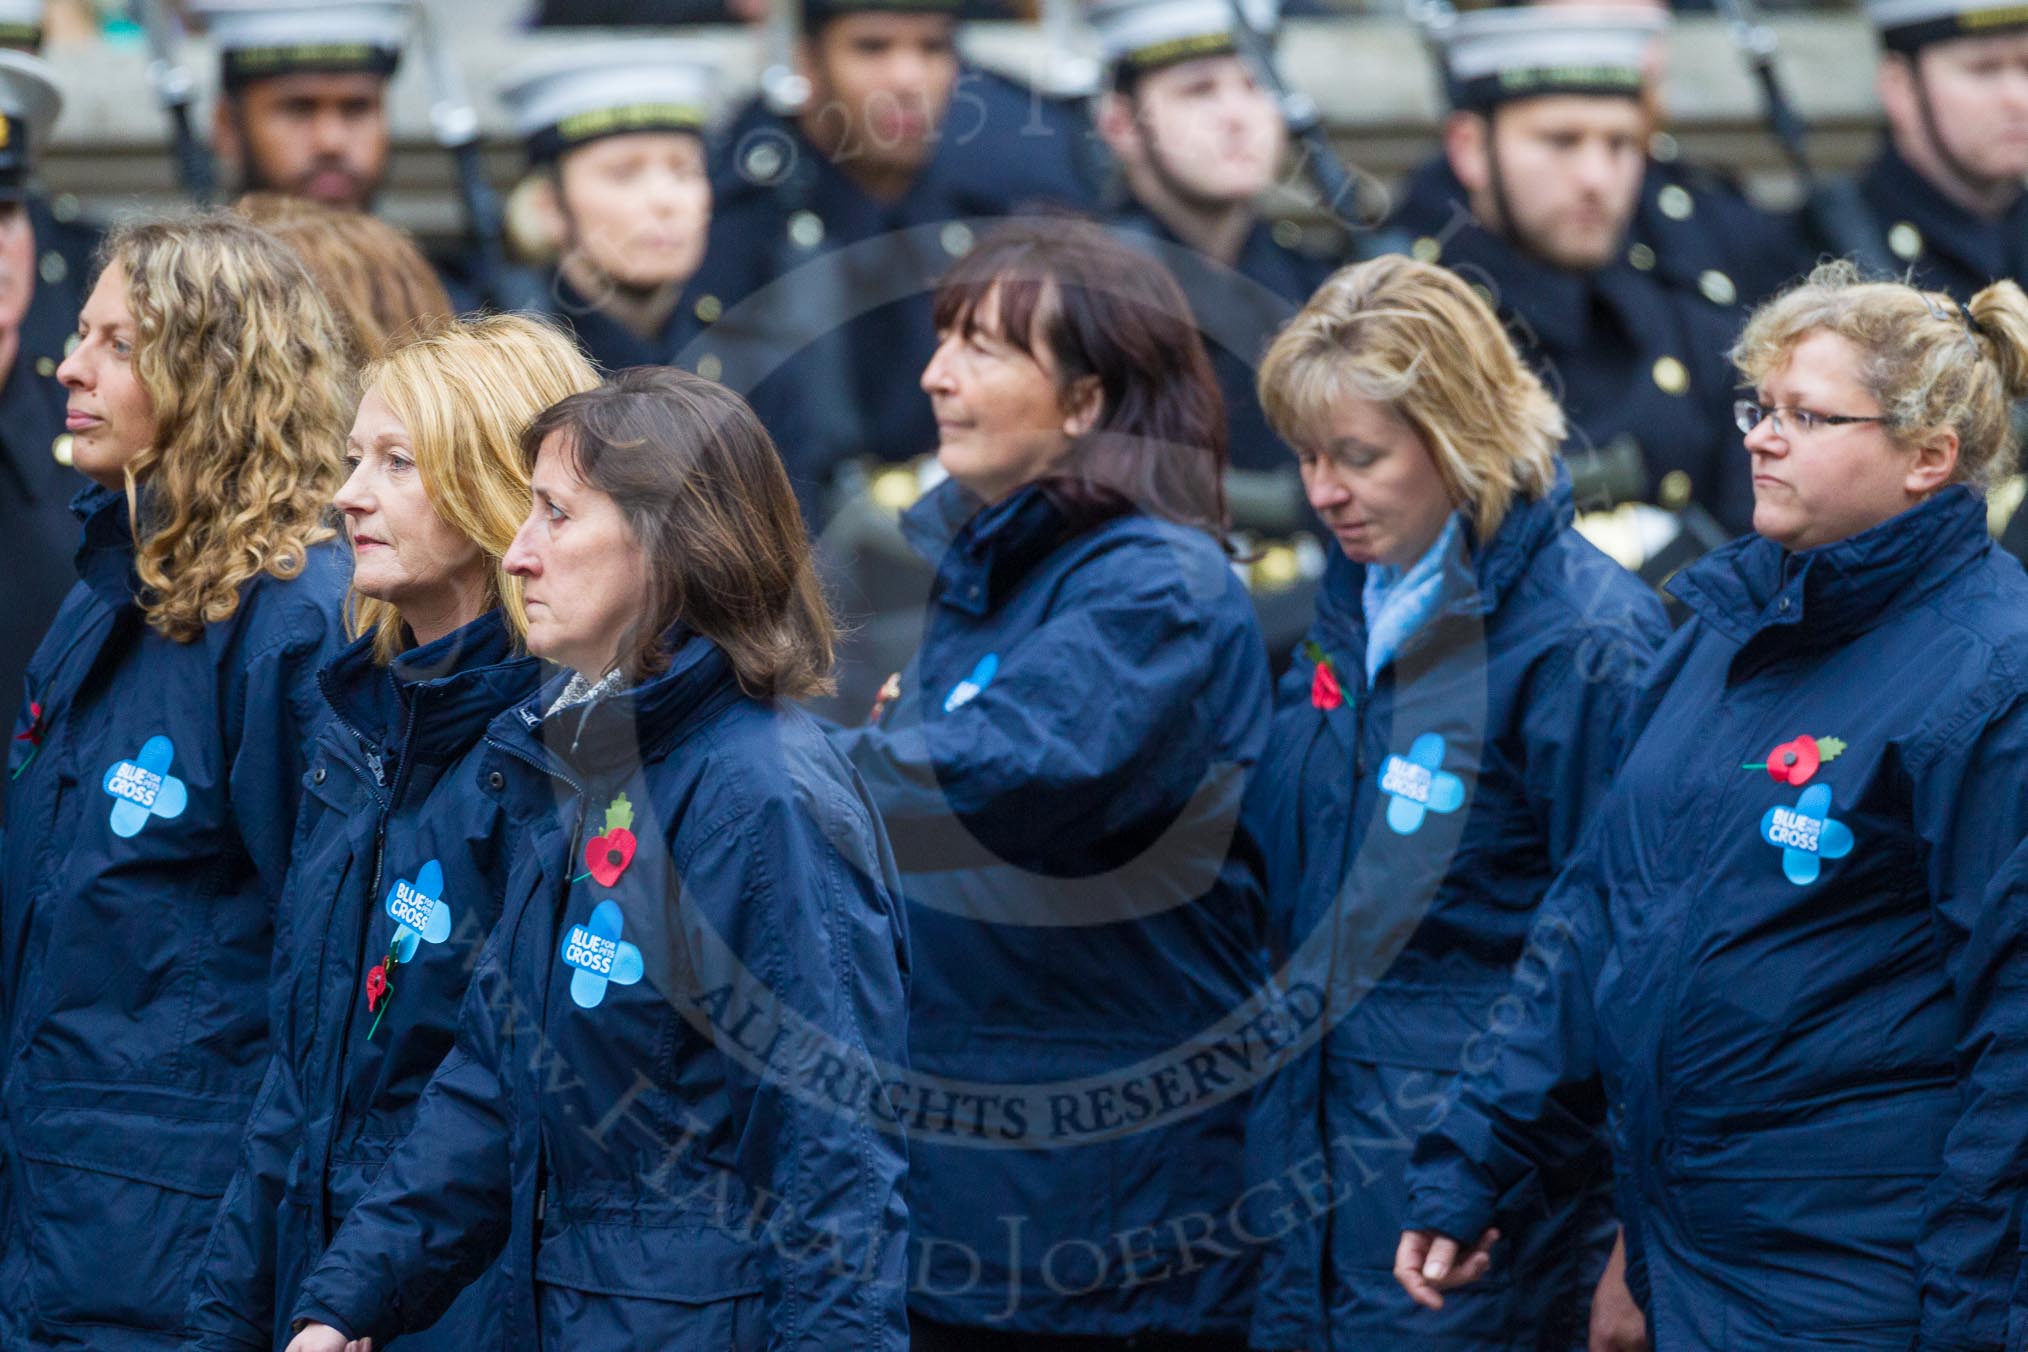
x: 70, y: 344
x: 763, y: 162
x: 1287, y: 233
x: 45, y: 366
x: 1717, y: 287
x: 956, y: 237
x: 54, y: 267
x: 1676, y: 202
x: 1675, y: 493
x: 60, y: 449
x: 1642, y: 257
x: 709, y: 308
x: 806, y: 228
x: 710, y: 367
x: 1425, y: 250
x: 1904, y: 241
x: 1671, y: 376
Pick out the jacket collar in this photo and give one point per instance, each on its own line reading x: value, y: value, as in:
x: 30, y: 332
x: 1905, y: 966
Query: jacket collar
x: 456, y: 685
x: 613, y: 733
x: 1475, y: 586
x: 1753, y: 584
x: 981, y: 553
x: 105, y: 556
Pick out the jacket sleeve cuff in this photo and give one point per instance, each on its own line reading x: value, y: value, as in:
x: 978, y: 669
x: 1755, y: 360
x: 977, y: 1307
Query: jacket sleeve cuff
x: 1462, y: 1217
x: 309, y: 1311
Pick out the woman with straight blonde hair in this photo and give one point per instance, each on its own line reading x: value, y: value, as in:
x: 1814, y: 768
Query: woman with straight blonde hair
x: 156, y: 768
x: 1794, y: 942
x: 1449, y: 724
x: 400, y: 859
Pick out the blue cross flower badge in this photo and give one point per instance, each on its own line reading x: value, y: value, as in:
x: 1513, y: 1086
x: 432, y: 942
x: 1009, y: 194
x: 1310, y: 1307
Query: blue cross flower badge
x: 1417, y: 785
x: 967, y: 690
x: 1806, y: 835
x: 143, y: 788
x: 598, y: 955
x: 419, y: 911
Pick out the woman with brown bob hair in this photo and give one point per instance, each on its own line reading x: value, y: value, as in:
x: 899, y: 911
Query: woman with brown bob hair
x: 376, y: 280
x: 1061, y: 765
x: 156, y: 768
x: 695, y: 863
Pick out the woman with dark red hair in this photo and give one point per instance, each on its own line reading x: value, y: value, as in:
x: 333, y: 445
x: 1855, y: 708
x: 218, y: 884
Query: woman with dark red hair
x: 1060, y: 767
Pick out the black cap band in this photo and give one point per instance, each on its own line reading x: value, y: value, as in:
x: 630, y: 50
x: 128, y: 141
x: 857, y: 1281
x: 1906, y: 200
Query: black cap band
x: 1172, y: 51
x: 241, y: 66
x: 1529, y: 82
x: 583, y: 128
x: 818, y: 12
x: 1976, y: 23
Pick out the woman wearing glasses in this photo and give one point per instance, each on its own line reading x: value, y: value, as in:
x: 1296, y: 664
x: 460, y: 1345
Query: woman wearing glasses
x: 1796, y: 966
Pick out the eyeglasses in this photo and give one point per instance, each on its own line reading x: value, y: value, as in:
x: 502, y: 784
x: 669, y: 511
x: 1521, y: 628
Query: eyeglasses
x: 1748, y: 415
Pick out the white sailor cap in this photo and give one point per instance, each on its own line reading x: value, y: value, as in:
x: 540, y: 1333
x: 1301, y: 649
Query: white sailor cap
x: 564, y: 98
x: 258, y: 39
x: 1142, y: 35
x: 29, y: 105
x: 1905, y: 25
x: 1496, y: 55
x: 21, y: 25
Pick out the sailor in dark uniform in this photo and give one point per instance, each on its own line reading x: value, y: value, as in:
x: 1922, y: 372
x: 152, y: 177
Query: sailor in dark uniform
x: 1943, y: 202
x: 1547, y: 152
x: 65, y: 239
x: 834, y: 220
x: 37, y: 316
x: 1198, y: 143
x: 303, y: 93
x: 615, y: 135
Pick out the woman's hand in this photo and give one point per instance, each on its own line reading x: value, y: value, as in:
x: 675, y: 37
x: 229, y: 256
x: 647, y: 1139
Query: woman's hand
x: 1428, y: 1264
x: 1617, y: 1324
x: 324, y: 1338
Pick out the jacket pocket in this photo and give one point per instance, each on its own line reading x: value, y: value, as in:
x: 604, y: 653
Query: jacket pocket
x: 108, y: 1248
x: 1812, y: 1216
x: 678, y: 1286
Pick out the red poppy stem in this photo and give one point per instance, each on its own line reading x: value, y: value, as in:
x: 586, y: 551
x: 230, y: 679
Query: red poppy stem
x: 378, y: 1017
x: 579, y: 878
x: 1757, y: 765
x: 24, y: 765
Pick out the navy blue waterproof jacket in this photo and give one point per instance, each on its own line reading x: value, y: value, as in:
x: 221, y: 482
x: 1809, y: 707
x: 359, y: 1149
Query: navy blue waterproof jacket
x: 1790, y: 950
x: 398, y: 852
x: 154, y: 801
x: 1506, y: 710
x: 656, y: 1114
x: 1062, y: 774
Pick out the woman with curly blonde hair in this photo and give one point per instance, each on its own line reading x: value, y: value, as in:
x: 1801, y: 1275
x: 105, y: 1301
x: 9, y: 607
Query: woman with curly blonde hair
x: 1447, y: 729
x: 156, y: 768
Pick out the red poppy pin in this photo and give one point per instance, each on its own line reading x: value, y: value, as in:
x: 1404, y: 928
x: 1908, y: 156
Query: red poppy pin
x: 376, y: 988
x: 606, y: 856
x: 890, y: 691
x: 37, y: 725
x: 1796, y: 760
x: 1325, y: 692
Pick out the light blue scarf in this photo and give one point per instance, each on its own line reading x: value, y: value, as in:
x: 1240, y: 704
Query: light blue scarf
x: 1399, y: 603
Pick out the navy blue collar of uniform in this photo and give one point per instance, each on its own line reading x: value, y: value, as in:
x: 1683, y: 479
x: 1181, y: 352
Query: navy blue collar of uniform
x: 816, y: 183
x: 1496, y: 568
x: 1260, y: 258
x: 981, y: 553
x: 1975, y: 244
x: 1753, y: 584
x: 618, y: 731
x: 459, y: 683
x: 615, y: 346
x: 105, y: 555
x: 1555, y: 303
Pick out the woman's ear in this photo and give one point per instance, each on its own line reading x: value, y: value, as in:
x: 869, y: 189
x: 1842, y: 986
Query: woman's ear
x: 1935, y: 462
x: 1081, y: 408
